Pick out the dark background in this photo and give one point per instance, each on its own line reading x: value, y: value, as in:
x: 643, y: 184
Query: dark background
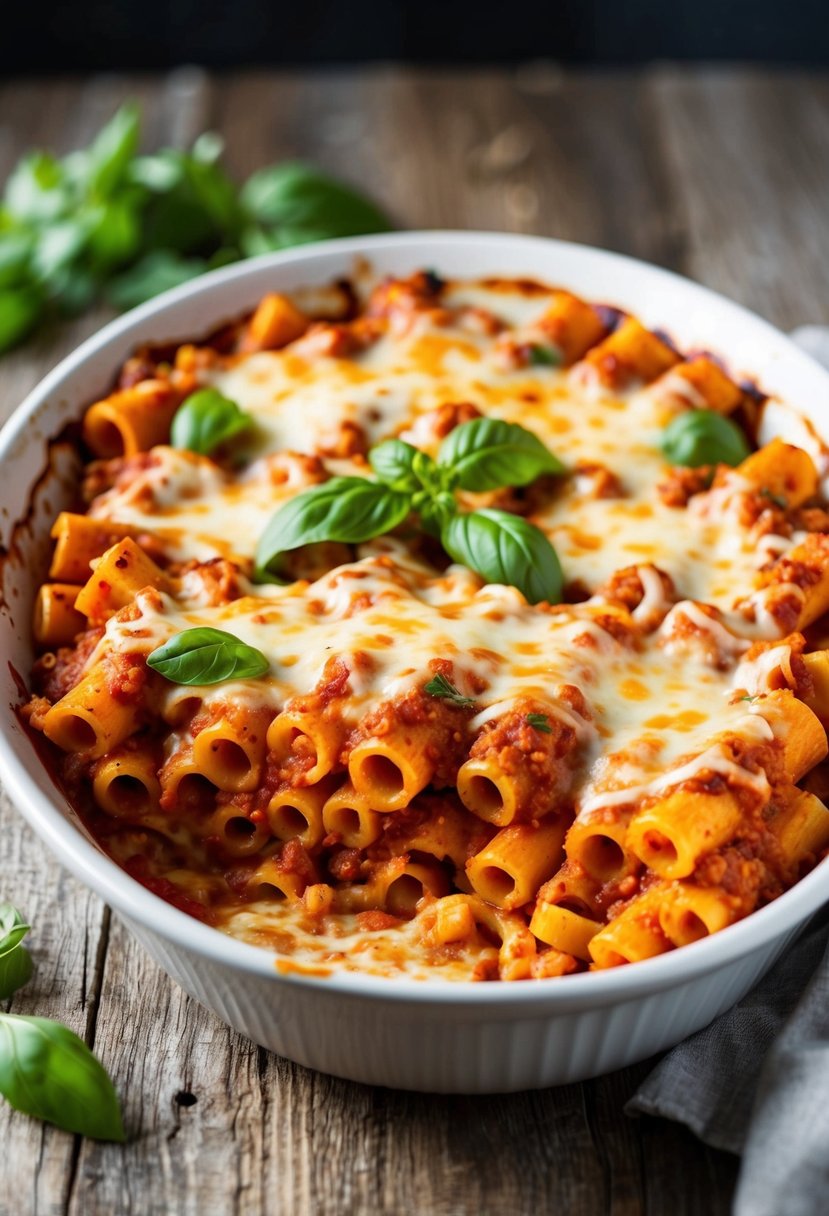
x: 83, y: 35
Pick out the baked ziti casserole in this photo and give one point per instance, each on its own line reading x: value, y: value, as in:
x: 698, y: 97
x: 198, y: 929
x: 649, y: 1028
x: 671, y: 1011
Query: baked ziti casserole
x: 453, y: 629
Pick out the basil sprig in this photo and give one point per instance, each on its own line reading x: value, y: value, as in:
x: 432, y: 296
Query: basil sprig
x: 207, y: 656
x: 485, y: 454
x: 46, y: 1071
x: 205, y: 420
x: 699, y: 437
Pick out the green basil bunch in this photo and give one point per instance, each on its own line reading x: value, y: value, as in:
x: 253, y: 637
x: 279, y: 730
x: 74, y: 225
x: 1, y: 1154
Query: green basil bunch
x: 46, y: 1071
x: 106, y: 221
x: 482, y: 455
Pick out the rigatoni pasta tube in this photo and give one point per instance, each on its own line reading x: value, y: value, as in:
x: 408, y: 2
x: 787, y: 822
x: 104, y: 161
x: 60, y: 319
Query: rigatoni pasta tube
x: 457, y: 916
x: 801, y: 827
x: 436, y: 825
x: 78, y: 541
x: 572, y: 325
x: 349, y: 815
x: 572, y: 887
x: 57, y: 621
x: 633, y: 935
x: 782, y: 470
x: 238, y: 834
x: 275, y: 323
x: 230, y: 751
x: 630, y: 353
x: 295, y: 812
x: 598, y: 842
x: 396, y: 886
x: 391, y: 769
x: 564, y: 930
x: 184, y: 786
x: 271, y: 881
x: 817, y: 665
x: 131, y: 420
x: 709, y: 382
x: 508, y: 872
x: 797, y: 728
x: 688, y: 913
x: 306, y: 742
x: 125, y: 782
x: 119, y: 575
x: 89, y: 718
x: 671, y: 835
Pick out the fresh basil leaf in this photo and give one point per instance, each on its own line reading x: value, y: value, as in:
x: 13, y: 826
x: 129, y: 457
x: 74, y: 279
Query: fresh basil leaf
x: 539, y: 722
x: 159, y: 173
x: 15, y: 960
x: 36, y: 190
x: 112, y: 150
x: 544, y: 356
x: 439, y: 686
x: 488, y: 453
x: 205, y: 420
x: 15, y: 254
x: 13, y: 928
x: 20, y: 311
x: 208, y: 148
x: 114, y: 233
x: 393, y: 461
x: 297, y: 196
x: 700, y: 437
x: 505, y: 548
x: 57, y: 246
x: 207, y: 656
x: 15, y: 971
x: 47, y: 1072
x: 155, y: 272
x: 346, y: 509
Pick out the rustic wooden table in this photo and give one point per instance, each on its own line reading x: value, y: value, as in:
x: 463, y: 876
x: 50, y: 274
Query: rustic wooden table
x: 720, y: 174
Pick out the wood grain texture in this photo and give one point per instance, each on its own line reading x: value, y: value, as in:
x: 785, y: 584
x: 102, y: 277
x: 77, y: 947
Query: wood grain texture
x: 719, y: 174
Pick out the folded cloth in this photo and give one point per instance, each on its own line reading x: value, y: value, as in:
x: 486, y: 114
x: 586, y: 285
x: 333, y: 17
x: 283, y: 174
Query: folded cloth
x: 756, y: 1081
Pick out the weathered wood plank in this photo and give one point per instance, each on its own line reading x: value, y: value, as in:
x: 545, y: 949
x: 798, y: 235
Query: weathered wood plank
x: 748, y: 162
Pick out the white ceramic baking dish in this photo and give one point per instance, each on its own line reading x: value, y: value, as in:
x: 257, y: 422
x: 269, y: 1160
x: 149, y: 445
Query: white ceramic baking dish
x: 435, y: 1036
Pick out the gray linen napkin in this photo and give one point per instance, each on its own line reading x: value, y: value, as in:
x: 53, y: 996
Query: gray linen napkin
x: 756, y: 1081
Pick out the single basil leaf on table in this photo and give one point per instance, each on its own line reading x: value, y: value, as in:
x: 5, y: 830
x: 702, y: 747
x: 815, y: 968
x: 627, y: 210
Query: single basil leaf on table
x: 13, y: 928
x: 699, y: 437
x: 346, y: 509
x: 15, y: 970
x: 15, y: 960
x: 505, y: 548
x: 47, y: 1072
x: 296, y: 196
x: 207, y: 656
x: 205, y: 420
x: 488, y: 453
